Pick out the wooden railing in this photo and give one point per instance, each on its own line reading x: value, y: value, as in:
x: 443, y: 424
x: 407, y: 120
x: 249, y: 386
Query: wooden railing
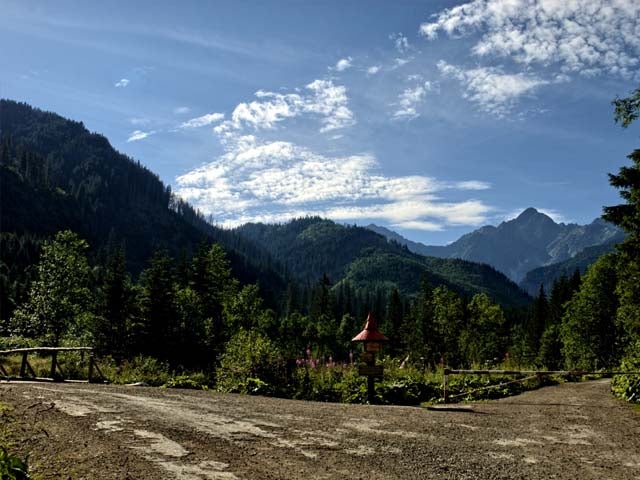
x: 531, y: 374
x: 55, y: 372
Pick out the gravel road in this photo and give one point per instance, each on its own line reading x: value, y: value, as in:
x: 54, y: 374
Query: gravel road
x: 572, y: 431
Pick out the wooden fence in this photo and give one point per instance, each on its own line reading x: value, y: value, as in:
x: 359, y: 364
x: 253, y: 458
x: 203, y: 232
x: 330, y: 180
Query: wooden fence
x: 55, y: 372
x: 531, y: 374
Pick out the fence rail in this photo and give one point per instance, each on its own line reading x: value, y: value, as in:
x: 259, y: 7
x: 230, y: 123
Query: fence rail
x: 55, y: 372
x: 532, y: 374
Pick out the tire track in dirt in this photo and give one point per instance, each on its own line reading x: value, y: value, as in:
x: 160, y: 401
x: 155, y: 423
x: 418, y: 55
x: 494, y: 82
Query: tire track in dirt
x: 567, y: 431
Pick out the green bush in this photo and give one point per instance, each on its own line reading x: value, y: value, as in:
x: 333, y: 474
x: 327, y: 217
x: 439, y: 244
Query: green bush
x: 194, y: 381
x: 627, y: 387
x: 250, y: 357
x: 11, y: 342
x: 12, y: 467
x: 139, y: 369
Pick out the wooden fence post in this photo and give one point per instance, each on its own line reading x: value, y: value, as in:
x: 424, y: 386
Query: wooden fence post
x: 54, y: 360
x: 445, y: 385
x: 90, y: 375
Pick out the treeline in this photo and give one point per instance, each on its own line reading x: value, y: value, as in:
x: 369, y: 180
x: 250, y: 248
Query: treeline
x: 185, y: 311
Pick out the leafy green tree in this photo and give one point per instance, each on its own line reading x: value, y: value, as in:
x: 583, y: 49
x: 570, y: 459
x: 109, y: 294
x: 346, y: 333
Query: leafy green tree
x: 59, y: 299
x: 482, y: 338
x: 589, y: 330
x: 191, y: 330
x: 448, y: 320
x: 417, y: 328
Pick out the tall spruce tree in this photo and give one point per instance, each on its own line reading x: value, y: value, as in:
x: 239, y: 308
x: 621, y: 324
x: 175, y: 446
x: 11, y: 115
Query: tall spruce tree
x: 627, y: 216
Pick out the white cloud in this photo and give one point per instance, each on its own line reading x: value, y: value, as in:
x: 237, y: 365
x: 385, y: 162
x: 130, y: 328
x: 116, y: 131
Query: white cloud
x: 420, y: 225
x: 139, y: 135
x: 321, y: 98
x: 472, y: 185
x: 588, y: 37
x: 343, y: 64
x: 276, y: 180
x: 181, y: 110
x: 400, y: 62
x: 491, y: 89
x: 374, y: 69
x: 409, y: 100
x: 401, y: 42
x: 203, y: 121
x: 122, y: 83
x: 138, y: 121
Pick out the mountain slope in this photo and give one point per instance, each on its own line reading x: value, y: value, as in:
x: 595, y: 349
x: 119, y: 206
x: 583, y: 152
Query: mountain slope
x: 547, y: 274
x: 517, y: 246
x: 55, y: 174
x: 311, y: 247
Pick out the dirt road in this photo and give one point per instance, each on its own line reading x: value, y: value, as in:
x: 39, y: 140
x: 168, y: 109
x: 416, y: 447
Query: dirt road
x: 572, y: 431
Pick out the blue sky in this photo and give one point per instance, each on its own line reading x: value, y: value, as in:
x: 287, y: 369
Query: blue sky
x: 431, y: 118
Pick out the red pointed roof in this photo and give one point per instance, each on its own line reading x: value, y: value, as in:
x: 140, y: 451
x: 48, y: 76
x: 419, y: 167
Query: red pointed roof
x: 370, y: 332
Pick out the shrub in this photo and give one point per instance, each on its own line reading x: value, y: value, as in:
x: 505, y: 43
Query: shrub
x: 627, y: 387
x: 250, y: 357
x: 12, y: 467
x: 139, y: 369
x: 194, y: 381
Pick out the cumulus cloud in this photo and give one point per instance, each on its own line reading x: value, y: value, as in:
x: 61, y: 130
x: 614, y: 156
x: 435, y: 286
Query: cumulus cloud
x: 276, y: 180
x: 181, y: 110
x: 321, y: 98
x: 203, y: 121
x: 409, y: 100
x: 490, y: 88
x: 588, y: 37
x: 137, y: 135
x: 122, y: 83
x: 343, y: 64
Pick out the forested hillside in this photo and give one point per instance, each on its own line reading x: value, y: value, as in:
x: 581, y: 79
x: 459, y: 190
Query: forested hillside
x: 545, y: 276
x: 56, y: 175
x: 311, y: 247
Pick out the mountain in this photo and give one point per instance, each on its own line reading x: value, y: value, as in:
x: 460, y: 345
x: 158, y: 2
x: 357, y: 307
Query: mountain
x: 517, y: 246
x: 547, y: 274
x: 311, y: 247
x: 55, y: 174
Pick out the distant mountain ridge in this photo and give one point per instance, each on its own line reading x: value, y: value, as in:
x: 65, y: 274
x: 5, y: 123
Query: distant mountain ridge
x: 311, y: 247
x: 517, y: 246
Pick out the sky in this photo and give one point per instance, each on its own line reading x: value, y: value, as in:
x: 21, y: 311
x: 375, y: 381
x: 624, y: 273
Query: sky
x: 431, y: 118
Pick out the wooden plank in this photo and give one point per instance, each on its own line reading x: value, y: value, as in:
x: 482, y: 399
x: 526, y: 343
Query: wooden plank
x: 45, y: 349
x: 369, y: 370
